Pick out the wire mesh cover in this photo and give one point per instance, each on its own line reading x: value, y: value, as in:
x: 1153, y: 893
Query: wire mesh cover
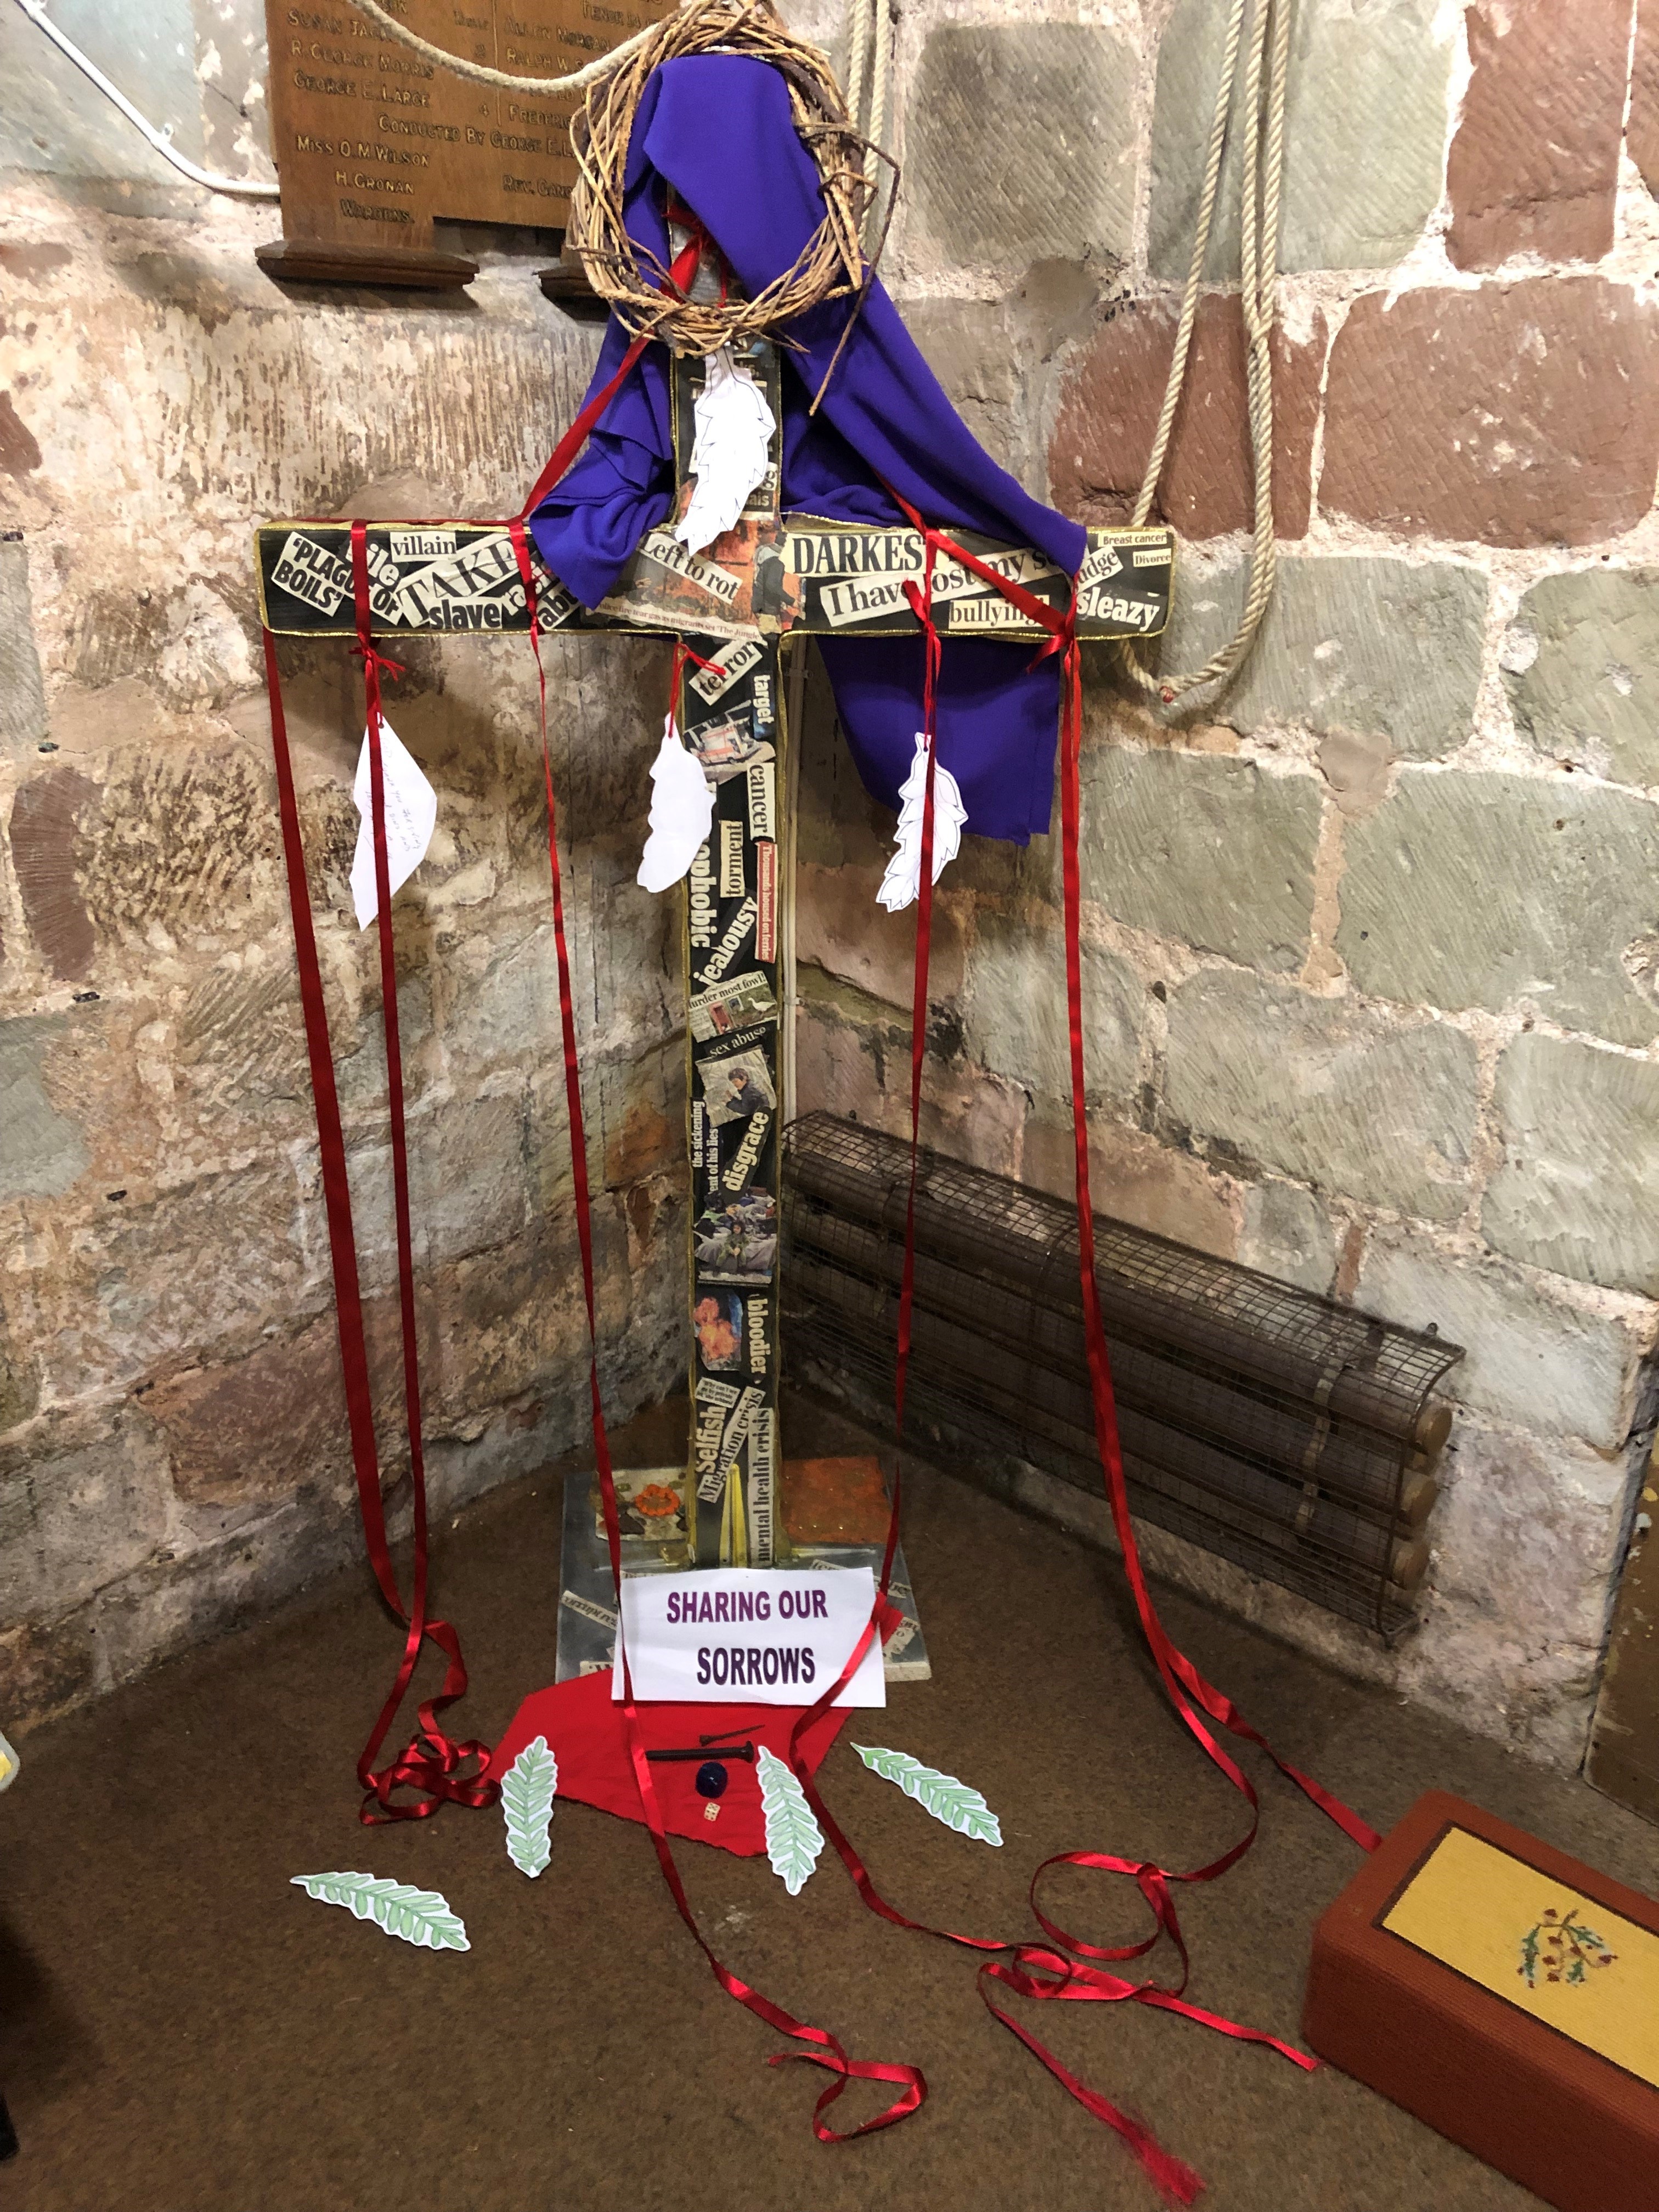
x: 1269, y: 1425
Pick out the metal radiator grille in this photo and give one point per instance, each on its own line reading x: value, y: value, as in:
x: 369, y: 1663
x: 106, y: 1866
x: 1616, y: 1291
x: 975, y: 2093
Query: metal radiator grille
x: 1284, y: 1432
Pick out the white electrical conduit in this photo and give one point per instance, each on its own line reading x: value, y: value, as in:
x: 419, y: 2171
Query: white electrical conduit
x: 249, y: 188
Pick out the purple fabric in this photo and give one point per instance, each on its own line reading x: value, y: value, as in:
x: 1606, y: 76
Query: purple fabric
x: 716, y: 129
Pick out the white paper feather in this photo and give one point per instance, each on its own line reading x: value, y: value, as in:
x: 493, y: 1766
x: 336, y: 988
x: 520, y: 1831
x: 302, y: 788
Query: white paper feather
x: 411, y: 816
x: 730, y: 452
x: 681, y: 809
x: 902, y: 880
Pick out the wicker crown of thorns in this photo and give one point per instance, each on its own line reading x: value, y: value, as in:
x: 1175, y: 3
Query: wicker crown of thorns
x: 637, y: 285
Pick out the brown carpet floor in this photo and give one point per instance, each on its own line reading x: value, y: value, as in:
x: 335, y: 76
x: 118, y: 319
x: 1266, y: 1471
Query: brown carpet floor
x: 182, y: 2029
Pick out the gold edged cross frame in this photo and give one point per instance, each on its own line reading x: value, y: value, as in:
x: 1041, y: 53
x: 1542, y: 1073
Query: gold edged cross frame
x: 758, y: 591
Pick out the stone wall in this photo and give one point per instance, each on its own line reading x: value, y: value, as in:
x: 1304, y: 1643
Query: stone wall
x: 171, y: 1440
x: 1372, y: 944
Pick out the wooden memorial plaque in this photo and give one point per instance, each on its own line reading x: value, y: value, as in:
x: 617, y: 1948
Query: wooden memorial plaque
x: 371, y: 140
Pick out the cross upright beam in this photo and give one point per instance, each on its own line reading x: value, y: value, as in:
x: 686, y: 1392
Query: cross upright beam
x: 769, y: 583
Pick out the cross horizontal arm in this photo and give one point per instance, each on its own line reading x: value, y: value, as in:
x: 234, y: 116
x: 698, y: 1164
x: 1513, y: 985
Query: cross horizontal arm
x: 772, y: 577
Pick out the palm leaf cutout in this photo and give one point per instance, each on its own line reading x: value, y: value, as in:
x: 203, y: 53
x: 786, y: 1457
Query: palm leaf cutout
x: 941, y: 1795
x: 527, y: 1790
x: 793, y: 1837
x: 420, y: 1916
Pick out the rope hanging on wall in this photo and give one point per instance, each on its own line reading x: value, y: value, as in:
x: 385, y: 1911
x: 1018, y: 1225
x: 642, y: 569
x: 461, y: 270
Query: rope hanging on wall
x: 869, y: 70
x: 1262, y: 165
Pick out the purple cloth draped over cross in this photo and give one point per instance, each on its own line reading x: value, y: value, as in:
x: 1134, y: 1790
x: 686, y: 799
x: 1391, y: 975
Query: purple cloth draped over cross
x: 716, y: 129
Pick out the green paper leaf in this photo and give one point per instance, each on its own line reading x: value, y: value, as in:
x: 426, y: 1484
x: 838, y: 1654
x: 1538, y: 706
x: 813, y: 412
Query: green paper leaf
x: 941, y: 1795
x: 793, y: 1837
x: 527, y: 1790
x: 420, y: 1916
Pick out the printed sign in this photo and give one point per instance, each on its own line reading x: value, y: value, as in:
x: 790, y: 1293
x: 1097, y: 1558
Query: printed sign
x: 751, y: 1635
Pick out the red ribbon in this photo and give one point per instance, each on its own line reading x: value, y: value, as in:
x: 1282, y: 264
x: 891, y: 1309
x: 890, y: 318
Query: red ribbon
x: 432, y: 1762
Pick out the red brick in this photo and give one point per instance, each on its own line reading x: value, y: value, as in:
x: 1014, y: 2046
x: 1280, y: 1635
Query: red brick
x: 1108, y: 412
x: 1534, y: 165
x: 1520, y: 414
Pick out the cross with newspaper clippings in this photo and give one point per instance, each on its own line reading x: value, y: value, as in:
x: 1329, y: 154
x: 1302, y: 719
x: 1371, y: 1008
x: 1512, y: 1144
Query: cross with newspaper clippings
x: 764, y: 587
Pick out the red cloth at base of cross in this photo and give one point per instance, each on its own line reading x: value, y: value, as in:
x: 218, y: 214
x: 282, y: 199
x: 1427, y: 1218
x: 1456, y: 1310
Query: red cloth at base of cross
x: 583, y: 1726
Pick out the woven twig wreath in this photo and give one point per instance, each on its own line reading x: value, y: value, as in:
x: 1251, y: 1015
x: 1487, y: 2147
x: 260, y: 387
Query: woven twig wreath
x: 831, y: 266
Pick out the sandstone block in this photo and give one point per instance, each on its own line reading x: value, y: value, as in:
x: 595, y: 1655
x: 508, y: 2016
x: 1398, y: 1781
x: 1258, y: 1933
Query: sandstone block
x: 1533, y: 1361
x: 1366, y: 131
x: 1519, y: 414
x: 44, y: 1150
x: 22, y: 695
x: 633, y: 1115
x: 504, y: 1003
x: 20, y: 1379
x: 1529, y: 171
x: 642, y: 1118
x: 1526, y: 1540
x: 468, y: 1187
x: 1581, y: 664
x: 1109, y: 409
x: 1132, y: 1177
x: 1205, y: 849
x: 1578, y: 1188
x: 141, y: 1280
x: 273, y: 1423
x: 509, y: 1320
x: 185, y: 838
x: 1335, y: 1094
x: 1020, y: 142
x: 1288, y: 1235
x: 47, y: 1670
x: 974, y: 349
x: 79, y: 1505
x: 1489, y: 889
x: 839, y: 925
x: 837, y: 1069
x: 1352, y: 643
x: 1641, y: 127
x: 1014, y: 1012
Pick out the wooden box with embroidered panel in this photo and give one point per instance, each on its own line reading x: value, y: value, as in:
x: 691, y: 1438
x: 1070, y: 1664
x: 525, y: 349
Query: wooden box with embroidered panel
x: 1507, y: 1994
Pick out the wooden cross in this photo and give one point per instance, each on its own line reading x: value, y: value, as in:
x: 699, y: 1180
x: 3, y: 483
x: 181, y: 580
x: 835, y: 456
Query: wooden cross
x: 757, y: 592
